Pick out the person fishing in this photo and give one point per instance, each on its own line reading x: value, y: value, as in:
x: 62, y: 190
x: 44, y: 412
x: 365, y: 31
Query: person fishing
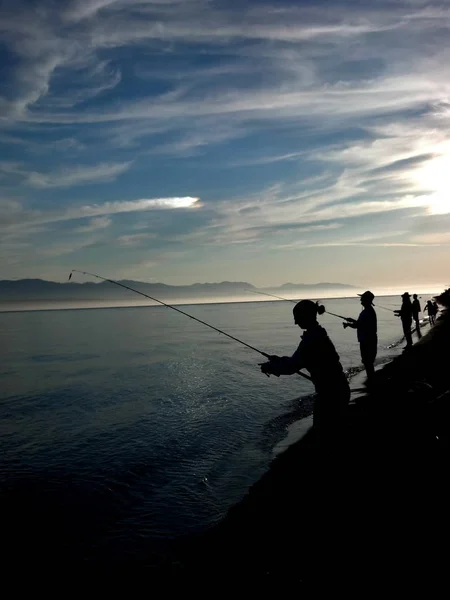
x: 416, y: 309
x: 366, y: 330
x: 317, y: 354
x: 405, y: 313
x: 431, y: 311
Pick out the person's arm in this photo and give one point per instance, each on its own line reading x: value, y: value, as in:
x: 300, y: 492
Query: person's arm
x: 349, y: 322
x: 285, y: 365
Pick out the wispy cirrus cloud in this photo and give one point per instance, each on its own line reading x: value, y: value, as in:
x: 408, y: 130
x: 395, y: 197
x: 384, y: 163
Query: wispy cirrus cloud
x: 112, y: 208
x: 66, y: 176
x: 133, y: 206
x: 108, y: 25
x: 95, y: 224
x: 134, y: 239
x: 80, y: 175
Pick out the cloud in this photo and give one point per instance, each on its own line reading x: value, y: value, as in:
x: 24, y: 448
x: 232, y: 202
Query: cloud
x: 110, y: 208
x: 88, y: 80
x: 66, y: 145
x: 403, y: 164
x: 79, y: 175
x: 134, y: 239
x: 66, y: 176
x: 15, y: 215
x: 310, y: 119
x: 80, y: 32
x: 192, y: 141
x: 357, y: 101
x: 365, y: 244
x: 83, y: 9
x: 12, y: 212
x: 438, y: 238
x: 95, y: 224
x: 298, y: 227
x: 56, y: 249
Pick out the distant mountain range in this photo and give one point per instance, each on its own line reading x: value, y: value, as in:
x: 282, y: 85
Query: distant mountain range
x: 26, y: 290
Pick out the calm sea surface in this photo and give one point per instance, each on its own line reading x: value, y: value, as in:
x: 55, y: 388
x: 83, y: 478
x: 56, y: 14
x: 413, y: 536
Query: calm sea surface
x: 123, y: 427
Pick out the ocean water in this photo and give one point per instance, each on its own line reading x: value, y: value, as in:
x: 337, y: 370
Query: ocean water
x: 125, y: 427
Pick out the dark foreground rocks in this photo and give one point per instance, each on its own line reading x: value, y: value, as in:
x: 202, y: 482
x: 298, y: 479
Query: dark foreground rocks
x: 373, y: 510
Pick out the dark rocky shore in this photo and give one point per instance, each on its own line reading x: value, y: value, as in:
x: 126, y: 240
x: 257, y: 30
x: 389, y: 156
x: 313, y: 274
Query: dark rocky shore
x: 373, y: 511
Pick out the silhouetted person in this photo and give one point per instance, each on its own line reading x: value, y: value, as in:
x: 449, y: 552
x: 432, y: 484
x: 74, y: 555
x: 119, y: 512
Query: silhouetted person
x: 366, y: 330
x: 435, y: 310
x: 405, y: 314
x: 431, y: 311
x: 318, y: 355
x: 416, y: 309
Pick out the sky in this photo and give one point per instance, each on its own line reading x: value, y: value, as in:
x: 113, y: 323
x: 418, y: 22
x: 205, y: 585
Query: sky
x: 188, y: 141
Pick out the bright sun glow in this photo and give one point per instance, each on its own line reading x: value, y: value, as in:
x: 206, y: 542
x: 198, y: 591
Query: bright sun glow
x: 435, y: 175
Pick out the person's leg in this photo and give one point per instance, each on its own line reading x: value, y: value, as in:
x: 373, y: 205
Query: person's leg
x: 419, y: 333
x: 407, y: 332
x: 370, y: 370
x: 409, y: 341
x: 368, y: 353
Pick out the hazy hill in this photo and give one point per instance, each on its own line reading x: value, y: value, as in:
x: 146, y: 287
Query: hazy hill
x: 313, y: 286
x: 41, y: 290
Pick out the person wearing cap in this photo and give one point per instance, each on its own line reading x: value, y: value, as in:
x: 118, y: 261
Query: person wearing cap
x: 317, y: 354
x: 405, y: 313
x: 416, y: 309
x: 366, y: 330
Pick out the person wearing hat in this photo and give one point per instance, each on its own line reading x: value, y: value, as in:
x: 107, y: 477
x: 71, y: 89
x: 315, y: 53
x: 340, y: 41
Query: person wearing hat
x: 405, y: 313
x: 366, y: 330
x: 317, y: 354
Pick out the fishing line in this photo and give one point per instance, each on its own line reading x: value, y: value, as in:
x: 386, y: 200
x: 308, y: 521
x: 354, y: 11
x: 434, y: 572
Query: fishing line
x: 334, y: 315
x: 295, y: 302
x: 180, y: 311
x: 384, y: 308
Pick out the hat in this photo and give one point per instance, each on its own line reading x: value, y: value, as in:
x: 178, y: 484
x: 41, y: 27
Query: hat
x: 406, y: 295
x: 367, y: 295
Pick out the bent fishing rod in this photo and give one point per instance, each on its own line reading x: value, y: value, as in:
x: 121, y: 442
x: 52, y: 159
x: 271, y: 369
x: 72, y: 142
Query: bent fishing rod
x: 327, y: 311
x: 295, y: 302
x: 127, y: 287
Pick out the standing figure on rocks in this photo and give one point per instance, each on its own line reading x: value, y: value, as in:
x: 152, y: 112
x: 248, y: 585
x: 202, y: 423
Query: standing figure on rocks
x: 435, y: 310
x: 431, y: 311
x: 366, y: 330
x: 317, y: 354
x: 416, y: 309
x: 405, y: 314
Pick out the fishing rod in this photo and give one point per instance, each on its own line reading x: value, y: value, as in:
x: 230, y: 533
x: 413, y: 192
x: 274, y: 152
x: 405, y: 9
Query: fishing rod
x: 295, y: 302
x: 273, y: 296
x: 327, y: 311
x: 384, y: 308
x: 361, y: 389
x: 182, y: 312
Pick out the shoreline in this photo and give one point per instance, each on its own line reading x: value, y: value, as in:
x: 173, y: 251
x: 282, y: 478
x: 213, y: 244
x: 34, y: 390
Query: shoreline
x: 383, y: 493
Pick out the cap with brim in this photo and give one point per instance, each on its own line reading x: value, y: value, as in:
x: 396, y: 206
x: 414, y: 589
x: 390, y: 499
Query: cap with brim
x: 368, y: 295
